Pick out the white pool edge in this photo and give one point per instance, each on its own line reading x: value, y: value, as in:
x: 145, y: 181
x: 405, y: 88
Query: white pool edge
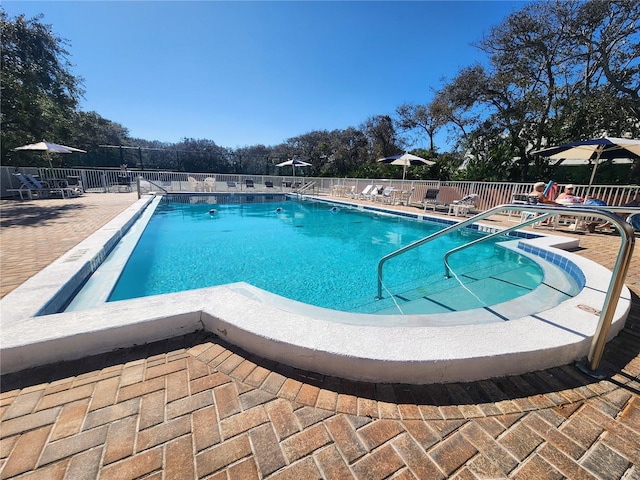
x: 260, y: 324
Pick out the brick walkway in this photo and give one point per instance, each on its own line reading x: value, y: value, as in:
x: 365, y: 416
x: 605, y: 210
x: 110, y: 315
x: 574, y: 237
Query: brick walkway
x: 195, y: 407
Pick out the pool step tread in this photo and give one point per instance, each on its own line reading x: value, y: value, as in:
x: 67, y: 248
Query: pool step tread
x: 449, y: 295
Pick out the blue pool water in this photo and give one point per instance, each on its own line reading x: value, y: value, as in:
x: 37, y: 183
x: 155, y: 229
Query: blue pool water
x: 316, y: 254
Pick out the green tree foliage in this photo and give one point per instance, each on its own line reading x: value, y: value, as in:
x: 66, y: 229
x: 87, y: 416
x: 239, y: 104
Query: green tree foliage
x: 381, y: 134
x: 424, y: 118
x: 39, y: 94
x: 558, y: 71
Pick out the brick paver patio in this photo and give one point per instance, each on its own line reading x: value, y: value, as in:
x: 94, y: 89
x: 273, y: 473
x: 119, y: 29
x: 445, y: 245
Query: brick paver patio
x: 195, y: 407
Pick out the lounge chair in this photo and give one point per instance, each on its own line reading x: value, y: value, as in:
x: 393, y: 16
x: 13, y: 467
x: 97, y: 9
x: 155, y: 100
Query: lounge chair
x: 268, y: 184
x: 431, y: 199
x: 76, y: 184
x: 386, y: 196
x: 403, y: 197
x: 27, y: 188
x: 375, y: 193
x: 57, y: 185
x: 365, y: 192
x: 32, y: 185
x: 524, y: 216
x: 461, y: 207
x: 249, y: 183
x: 232, y: 185
x: 518, y: 199
x: 350, y: 192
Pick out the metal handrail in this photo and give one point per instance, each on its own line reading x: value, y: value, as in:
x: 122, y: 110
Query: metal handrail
x: 619, y: 272
x: 139, y: 177
x: 306, y: 187
x: 531, y: 221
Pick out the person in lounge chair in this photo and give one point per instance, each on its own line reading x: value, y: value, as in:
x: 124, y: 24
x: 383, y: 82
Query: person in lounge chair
x: 568, y: 196
x: 538, y: 191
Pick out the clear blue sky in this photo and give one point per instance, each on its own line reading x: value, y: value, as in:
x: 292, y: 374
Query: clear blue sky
x: 246, y: 73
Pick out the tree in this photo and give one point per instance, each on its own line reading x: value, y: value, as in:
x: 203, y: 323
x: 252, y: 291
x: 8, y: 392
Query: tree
x: 254, y: 160
x: 382, y: 137
x: 608, y: 33
x: 90, y: 130
x: 421, y: 118
x: 200, y: 155
x: 348, y: 152
x: 39, y: 94
x: 545, y: 83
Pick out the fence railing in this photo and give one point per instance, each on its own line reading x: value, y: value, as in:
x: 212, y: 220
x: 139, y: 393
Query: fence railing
x: 489, y: 194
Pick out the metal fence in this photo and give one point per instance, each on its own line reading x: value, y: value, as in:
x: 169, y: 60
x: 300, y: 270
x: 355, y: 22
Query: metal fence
x: 489, y: 194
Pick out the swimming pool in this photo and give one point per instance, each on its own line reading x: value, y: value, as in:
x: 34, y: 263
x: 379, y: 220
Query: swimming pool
x: 318, y: 254
x: 423, y: 348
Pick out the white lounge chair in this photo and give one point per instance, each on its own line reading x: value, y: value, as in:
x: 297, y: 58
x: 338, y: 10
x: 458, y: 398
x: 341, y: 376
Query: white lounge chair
x: 55, y: 186
x: 365, y: 193
x: 403, y: 197
x: 375, y: 193
x: 27, y: 188
x: 461, y: 207
x: 386, y: 195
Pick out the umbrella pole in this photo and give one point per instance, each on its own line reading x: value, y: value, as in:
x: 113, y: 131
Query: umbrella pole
x: 593, y: 172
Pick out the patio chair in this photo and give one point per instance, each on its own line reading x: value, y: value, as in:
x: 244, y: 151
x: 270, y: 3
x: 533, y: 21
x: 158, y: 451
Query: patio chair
x: 75, y: 183
x: 403, y: 197
x: 386, y: 195
x: 517, y: 199
x: 375, y: 192
x: 430, y: 199
x: 524, y: 216
x: 194, y: 185
x: 268, y: 185
x: 54, y: 186
x: 231, y: 185
x: 27, y: 188
x: 365, y: 192
x: 249, y: 183
x: 461, y: 207
x: 209, y: 184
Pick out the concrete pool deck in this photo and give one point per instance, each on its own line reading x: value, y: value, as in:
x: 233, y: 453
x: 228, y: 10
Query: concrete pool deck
x: 204, y: 406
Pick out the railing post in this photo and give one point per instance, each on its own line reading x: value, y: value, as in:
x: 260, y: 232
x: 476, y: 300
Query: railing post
x: 620, y: 269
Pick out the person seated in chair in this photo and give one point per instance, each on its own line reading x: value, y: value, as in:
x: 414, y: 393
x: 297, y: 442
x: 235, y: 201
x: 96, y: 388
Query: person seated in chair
x: 568, y: 196
x: 538, y: 191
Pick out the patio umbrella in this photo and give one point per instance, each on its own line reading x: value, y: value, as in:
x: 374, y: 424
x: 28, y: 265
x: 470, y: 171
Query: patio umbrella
x: 49, y: 147
x: 294, y: 163
x: 594, y: 150
x: 405, y: 160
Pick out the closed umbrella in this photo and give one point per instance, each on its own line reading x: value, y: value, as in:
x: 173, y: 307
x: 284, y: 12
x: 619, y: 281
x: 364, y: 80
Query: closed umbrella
x: 594, y: 150
x: 293, y: 163
x: 405, y: 160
